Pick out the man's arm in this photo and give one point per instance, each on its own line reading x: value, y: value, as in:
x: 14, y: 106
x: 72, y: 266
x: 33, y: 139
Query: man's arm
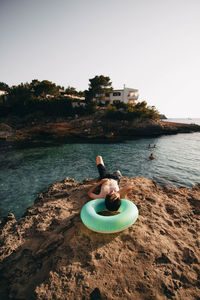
x: 123, y: 191
x: 91, y: 190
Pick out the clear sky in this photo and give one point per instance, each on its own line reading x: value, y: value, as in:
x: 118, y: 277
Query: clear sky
x: 151, y: 45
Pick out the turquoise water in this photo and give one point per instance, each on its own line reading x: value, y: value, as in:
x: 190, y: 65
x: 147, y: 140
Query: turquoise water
x: 25, y: 173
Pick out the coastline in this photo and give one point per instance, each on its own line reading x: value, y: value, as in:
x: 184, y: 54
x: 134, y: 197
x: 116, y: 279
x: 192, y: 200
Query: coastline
x: 88, y: 129
x: 50, y: 250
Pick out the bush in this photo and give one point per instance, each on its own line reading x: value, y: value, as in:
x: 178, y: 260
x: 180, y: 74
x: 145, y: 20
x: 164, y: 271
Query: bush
x: 130, y: 112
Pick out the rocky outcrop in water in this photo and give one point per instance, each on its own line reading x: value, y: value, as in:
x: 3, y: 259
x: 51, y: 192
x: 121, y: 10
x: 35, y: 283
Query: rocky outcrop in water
x: 93, y: 128
x: 50, y: 254
x: 162, y: 117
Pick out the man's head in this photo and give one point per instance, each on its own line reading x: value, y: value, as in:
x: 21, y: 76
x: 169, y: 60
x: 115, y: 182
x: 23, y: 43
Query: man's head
x: 113, y: 201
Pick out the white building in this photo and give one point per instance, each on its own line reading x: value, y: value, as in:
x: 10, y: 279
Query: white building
x: 127, y: 95
x: 78, y: 102
x: 3, y: 96
x: 3, y: 93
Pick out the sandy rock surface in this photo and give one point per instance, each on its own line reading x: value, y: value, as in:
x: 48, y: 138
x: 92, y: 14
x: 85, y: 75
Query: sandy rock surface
x: 50, y: 254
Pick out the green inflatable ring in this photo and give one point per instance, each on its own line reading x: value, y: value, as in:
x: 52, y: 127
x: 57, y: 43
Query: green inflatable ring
x: 108, y: 224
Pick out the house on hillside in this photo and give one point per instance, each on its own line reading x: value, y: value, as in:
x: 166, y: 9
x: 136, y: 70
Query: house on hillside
x: 126, y: 95
x: 3, y: 96
x: 76, y: 100
x: 64, y: 94
x: 3, y: 93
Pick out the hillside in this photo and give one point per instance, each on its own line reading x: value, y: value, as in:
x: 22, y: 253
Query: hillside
x: 93, y: 128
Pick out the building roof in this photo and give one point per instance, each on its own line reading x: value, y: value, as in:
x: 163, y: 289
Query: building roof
x: 121, y: 90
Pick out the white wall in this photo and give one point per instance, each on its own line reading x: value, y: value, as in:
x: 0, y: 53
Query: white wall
x: 125, y: 95
x: 3, y: 93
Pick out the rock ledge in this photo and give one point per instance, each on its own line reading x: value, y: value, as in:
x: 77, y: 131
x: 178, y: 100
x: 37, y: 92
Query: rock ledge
x: 50, y: 254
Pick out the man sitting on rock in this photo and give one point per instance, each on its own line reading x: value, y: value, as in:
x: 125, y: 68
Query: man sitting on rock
x: 110, y: 190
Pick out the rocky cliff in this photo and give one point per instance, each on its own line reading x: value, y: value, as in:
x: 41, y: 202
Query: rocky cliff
x: 93, y: 128
x: 50, y: 254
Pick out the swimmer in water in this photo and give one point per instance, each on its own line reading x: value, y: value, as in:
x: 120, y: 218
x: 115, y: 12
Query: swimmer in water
x: 151, y: 156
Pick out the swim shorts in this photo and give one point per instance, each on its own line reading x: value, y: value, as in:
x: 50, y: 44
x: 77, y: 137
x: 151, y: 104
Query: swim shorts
x: 104, y: 174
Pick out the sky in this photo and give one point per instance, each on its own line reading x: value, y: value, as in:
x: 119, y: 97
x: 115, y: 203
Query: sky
x: 150, y: 45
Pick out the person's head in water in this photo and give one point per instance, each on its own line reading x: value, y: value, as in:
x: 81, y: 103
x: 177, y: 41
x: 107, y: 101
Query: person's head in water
x: 113, y: 201
x: 151, y: 156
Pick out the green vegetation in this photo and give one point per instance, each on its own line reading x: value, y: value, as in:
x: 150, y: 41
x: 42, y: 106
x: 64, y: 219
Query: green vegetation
x: 4, y: 87
x: 40, y: 96
x: 99, y: 85
x: 122, y: 111
x: 52, y: 100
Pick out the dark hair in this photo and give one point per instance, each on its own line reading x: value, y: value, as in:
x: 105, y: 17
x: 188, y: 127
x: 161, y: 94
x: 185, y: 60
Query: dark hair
x: 111, y: 204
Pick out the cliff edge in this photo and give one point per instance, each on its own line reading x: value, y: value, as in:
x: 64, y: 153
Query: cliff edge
x: 50, y: 254
x: 92, y: 128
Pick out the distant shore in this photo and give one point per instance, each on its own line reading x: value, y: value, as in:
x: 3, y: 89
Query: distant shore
x: 88, y: 129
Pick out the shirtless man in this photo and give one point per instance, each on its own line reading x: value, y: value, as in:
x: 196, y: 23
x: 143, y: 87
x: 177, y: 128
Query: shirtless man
x: 110, y: 190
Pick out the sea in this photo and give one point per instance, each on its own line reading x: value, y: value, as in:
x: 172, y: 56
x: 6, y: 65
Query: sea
x: 25, y: 173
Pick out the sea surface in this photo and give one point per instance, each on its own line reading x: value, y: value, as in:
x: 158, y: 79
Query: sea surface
x: 25, y: 173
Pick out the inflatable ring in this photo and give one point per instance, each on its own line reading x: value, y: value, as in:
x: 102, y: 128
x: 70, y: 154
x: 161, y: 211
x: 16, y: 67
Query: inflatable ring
x: 108, y: 224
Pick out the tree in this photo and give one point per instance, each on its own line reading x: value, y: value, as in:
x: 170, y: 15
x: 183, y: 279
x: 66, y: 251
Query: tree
x: 90, y: 107
x: 99, y: 85
x: 141, y: 105
x: 70, y: 90
x: 42, y: 88
x: 20, y: 94
x: 4, y: 87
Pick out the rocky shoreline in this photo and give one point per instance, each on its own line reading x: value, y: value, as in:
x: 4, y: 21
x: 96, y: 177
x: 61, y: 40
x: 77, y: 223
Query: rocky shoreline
x: 94, y: 128
x: 50, y: 254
